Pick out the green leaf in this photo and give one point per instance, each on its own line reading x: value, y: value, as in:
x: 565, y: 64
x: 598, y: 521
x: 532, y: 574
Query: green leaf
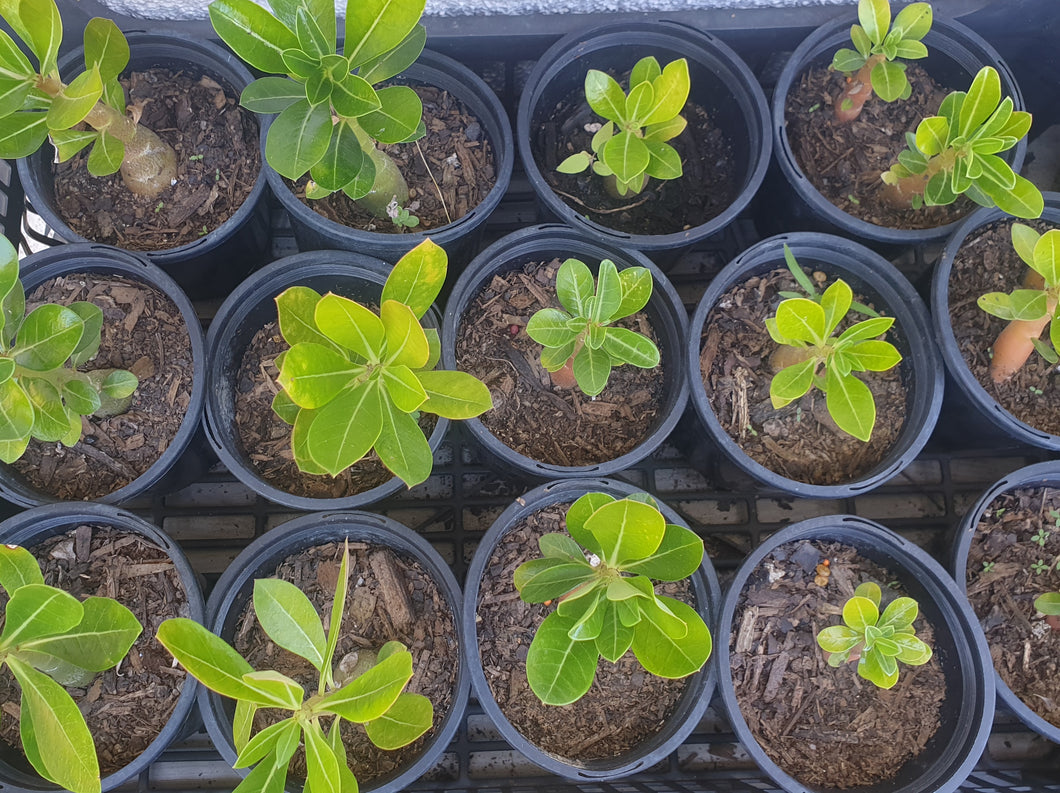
x: 106, y: 156
x: 341, y: 587
x: 50, y: 421
x: 678, y: 556
x: 289, y: 619
x: 912, y: 650
x: 105, y: 48
x: 791, y: 383
x: 899, y: 614
x: 994, y: 171
x: 636, y: 285
x: 13, y: 63
x: 860, y: 612
x: 983, y: 98
x: 254, y: 34
x: 604, y: 95
x: 99, y: 641
x: 271, y: 95
x: 875, y: 18
x: 1024, y: 238
x: 265, y: 777
x: 280, y: 690
x: 592, y: 369
x: 874, y: 356
x: 351, y: 325
x: 406, y: 343
x: 1022, y: 201
x: 409, y: 717
x: 311, y: 39
x: 74, y: 103
x: 417, y: 278
x: 850, y: 404
x: 13, y: 94
x: 265, y: 742
x: 313, y: 375
x: 889, y: 80
x: 550, y: 327
x: 866, y: 329
x: 37, y: 610
x: 342, y: 162
x: 639, y: 103
x: 398, y: 117
x: 403, y: 388
x: 92, y: 317
x: 1048, y: 604
x: 454, y: 395
x: 397, y: 60
x: 42, y: 30
x: 303, y: 422
x: 860, y: 39
x: 555, y: 358
x: 911, y: 50
x: 295, y: 308
x: 544, y: 579
x: 18, y: 568
x: 209, y: 659
x: 660, y: 652
x: 16, y: 413
x: 12, y: 450
x: 374, y: 27
x: 402, y: 447
x: 588, y: 625
x: 665, y: 130
x: 574, y: 286
x: 664, y: 161
x: 554, y: 545
x: 627, y: 346
x: 7, y: 369
x: 321, y: 764
x: 626, y: 155
x: 873, y: 666
x: 847, y: 60
x: 559, y: 669
x: 614, y: 638
x: 243, y: 723
x: 838, y: 639
x: 371, y: 694
x: 1023, y: 304
x: 575, y: 163
x: 8, y: 279
x: 801, y: 319
x: 346, y: 428
x: 626, y: 531
x: 119, y: 384
x: 835, y: 301
x: 22, y: 133
x: 645, y: 70
x: 298, y: 138
x: 670, y: 92
x: 913, y: 21
x: 578, y: 513
x: 1047, y: 256
x: 932, y: 135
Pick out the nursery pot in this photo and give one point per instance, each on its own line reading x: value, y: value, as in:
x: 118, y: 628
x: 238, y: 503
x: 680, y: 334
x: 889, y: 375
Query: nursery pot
x: 460, y: 238
x: 967, y: 712
x: 186, y: 457
x: 260, y: 559
x: 250, y: 308
x: 36, y: 526
x: 214, y: 263
x: 693, y: 701
x: 997, y: 422
x: 956, y: 54
x: 720, y: 83
x: 665, y: 310
x: 875, y: 278
x: 1040, y: 475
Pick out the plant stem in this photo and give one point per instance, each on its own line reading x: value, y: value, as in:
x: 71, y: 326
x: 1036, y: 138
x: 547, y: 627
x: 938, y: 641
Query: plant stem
x: 389, y: 184
x: 848, y: 104
x: 899, y: 194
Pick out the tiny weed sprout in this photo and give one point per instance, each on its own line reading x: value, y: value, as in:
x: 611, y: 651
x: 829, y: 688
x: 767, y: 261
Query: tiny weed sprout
x: 608, y: 605
x: 810, y: 356
x: 878, y: 641
x: 42, y: 393
x: 631, y: 146
x: 877, y: 44
x: 579, y: 338
x: 1028, y: 310
x: 956, y: 153
x: 1040, y: 567
x: 1040, y: 537
x: 988, y: 566
x: 372, y: 695
x: 36, y: 103
x: 401, y: 216
x: 50, y: 640
x: 354, y: 380
x: 330, y: 114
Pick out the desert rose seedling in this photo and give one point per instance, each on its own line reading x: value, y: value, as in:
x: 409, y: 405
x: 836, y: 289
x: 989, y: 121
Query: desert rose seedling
x: 374, y: 696
x: 580, y: 337
x: 601, y: 577
x: 872, y: 64
x: 956, y: 153
x: 35, y: 103
x: 331, y: 114
x: 50, y: 640
x: 631, y: 146
x: 42, y: 393
x: 811, y: 356
x: 1029, y: 310
x: 877, y: 641
x: 354, y: 380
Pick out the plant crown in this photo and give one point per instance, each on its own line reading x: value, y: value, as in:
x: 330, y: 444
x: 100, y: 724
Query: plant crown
x: 1040, y: 252
x: 354, y: 380
x: 956, y: 152
x: 828, y: 362
x: 50, y: 640
x: 42, y: 395
x: 607, y: 603
x: 581, y: 333
x: 878, y: 641
x: 330, y: 113
x: 372, y: 695
x: 631, y: 146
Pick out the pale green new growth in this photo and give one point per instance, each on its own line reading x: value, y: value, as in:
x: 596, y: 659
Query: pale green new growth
x: 878, y: 641
x: 373, y: 695
x: 609, y: 605
x: 51, y: 640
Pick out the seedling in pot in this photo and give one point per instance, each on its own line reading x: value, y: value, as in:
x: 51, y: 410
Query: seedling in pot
x: 331, y: 115
x: 1029, y: 310
x: 872, y: 65
x: 91, y: 109
x: 601, y: 577
x: 579, y: 341
x: 373, y: 694
x: 354, y: 380
x: 43, y: 395
x: 956, y: 153
x: 50, y: 640
x: 877, y: 641
x: 631, y: 146
x: 810, y: 355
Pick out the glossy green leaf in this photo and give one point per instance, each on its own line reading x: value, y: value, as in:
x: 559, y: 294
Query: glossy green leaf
x: 912, y: 650
x: 280, y: 690
x: 559, y: 669
x: 106, y: 155
x: 678, y: 556
x: 254, y: 34
x: 626, y: 155
x: 866, y: 329
x: 402, y: 447
x: 579, y: 512
x: 321, y: 764
x: 899, y: 614
x: 403, y: 388
x: 557, y: 546
x: 398, y: 117
x: 397, y: 60
x: 551, y: 327
x: 592, y: 369
x: 92, y: 317
x: 574, y: 286
x: 16, y: 414
x: 665, y: 130
x: 342, y: 584
x: 913, y: 21
x: 874, y: 356
x: 604, y: 95
x: 1024, y: 200
x: 289, y: 619
x: 575, y: 163
x: 303, y: 422
x: 850, y: 404
x: 670, y: 92
x: 50, y: 420
x: 645, y: 70
x: 22, y: 133
x: 8, y: 278
x: 351, y: 325
x: 406, y: 343
x: 982, y: 100
x: 271, y: 95
x: 454, y: 395
x: 838, y: 639
x: 860, y: 612
x: 18, y: 568
x: 587, y: 625
x: 835, y: 301
x: 878, y: 669
x: 303, y: 68
x: 544, y: 579
x: 636, y: 284
x: 639, y: 104
x: 791, y: 383
x: 1048, y: 604
x: 265, y: 742
x: 13, y: 63
x: 42, y: 30
x: 38, y: 610
x: 615, y: 638
x: 209, y: 659
x: 408, y: 718
x: 105, y: 48
x: 661, y: 653
x: 342, y: 162
x: 346, y: 428
x: 13, y: 94
x: 298, y: 138
x: 295, y: 308
x: 800, y: 319
x: 374, y: 27
x: 371, y: 694
x: 875, y: 18
x: 627, y: 346
x: 889, y: 80
x: 74, y: 103
x: 7, y: 369
x: 417, y: 278
x: 266, y: 777
x: 243, y: 723
x: 313, y: 375
x: 847, y: 60
x: 100, y: 640
x: 119, y: 384
x: 626, y: 531
x: 664, y: 162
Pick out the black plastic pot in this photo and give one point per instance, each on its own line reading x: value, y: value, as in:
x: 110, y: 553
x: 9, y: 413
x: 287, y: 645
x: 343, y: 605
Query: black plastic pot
x: 260, y: 560
x: 250, y: 308
x: 35, y: 526
x: 544, y: 243
x: 966, y: 714
x: 996, y: 422
x: 460, y: 238
x: 956, y: 54
x: 213, y: 264
x: 720, y: 82
x: 1041, y: 475
x: 186, y: 457
x: 696, y: 696
x: 881, y: 283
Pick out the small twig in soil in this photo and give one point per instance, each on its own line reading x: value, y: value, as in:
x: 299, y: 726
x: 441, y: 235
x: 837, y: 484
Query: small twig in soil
x: 526, y: 373
x: 623, y: 208
x: 437, y: 188
x: 105, y: 459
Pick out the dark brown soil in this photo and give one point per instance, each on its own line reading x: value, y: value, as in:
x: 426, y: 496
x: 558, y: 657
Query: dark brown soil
x: 1003, y: 584
x: 218, y: 160
x: 844, y: 161
x: 799, y: 441
x: 144, y: 332
x: 266, y: 438
x: 530, y: 414
x: 625, y: 706
x: 373, y: 617
x: 706, y: 188
x: 826, y: 727
x: 127, y: 707
x: 455, y: 159
x: 986, y: 262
